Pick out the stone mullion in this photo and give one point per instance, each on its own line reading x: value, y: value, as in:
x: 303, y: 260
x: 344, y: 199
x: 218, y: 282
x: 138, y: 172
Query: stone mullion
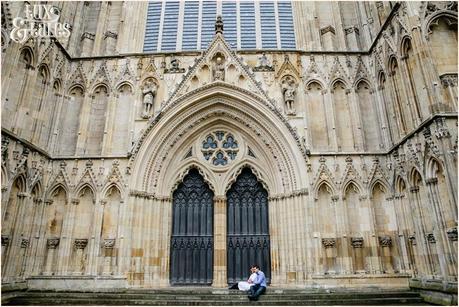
x: 166, y: 213
x: 107, y: 116
x: 428, y: 257
x: 84, y: 123
x: 345, y: 238
x: 94, y: 242
x: 450, y: 176
x: 156, y: 256
x: 138, y: 238
x: 315, y: 238
x: 22, y: 104
x: 54, y: 127
x: 43, y: 100
x: 408, y: 84
x: 330, y: 110
x: 400, y: 219
x: 417, y: 227
x: 34, y: 238
x: 110, y: 123
x: 306, y: 230
x: 437, y: 231
x: 15, y: 239
x: 100, y: 28
x: 124, y: 236
x: 219, y: 279
x: 274, y: 240
x: 282, y: 243
x: 290, y: 238
x: 148, y: 245
x: 398, y: 108
x: 66, y: 248
x: 388, y: 134
x: 444, y: 249
x: 40, y: 234
x: 359, y: 137
x: 375, y: 259
x: 300, y: 240
x: 10, y: 67
x: 427, y: 68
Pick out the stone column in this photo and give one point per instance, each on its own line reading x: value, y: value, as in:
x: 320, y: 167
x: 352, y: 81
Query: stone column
x: 357, y: 244
x: 108, y: 245
x: 329, y: 244
x: 386, y: 242
x: 80, y: 245
x: 220, y: 261
x: 5, y: 244
x: 51, y: 244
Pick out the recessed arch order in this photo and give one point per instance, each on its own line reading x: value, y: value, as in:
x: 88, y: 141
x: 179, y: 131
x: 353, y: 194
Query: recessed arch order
x: 159, y: 161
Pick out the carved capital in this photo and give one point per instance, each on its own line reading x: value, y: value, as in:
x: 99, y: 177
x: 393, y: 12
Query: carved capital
x: 25, y: 243
x: 327, y: 29
x: 5, y: 240
x: 385, y: 241
x: 449, y: 80
x: 48, y: 201
x: 108, y: 243
x: 452, y: 233
x: 357, y: 242
x: 431, y: 238
x: 414, y: 189
x: 329, y: 242
x: 80, y: 243
x: 431, y: 181
x: 52, y: 243
x: 412, y: 239
x: 75, y: 201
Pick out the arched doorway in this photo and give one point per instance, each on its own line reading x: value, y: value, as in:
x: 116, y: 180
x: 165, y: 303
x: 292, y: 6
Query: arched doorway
x: 192, y: 232
x: 248, y: 229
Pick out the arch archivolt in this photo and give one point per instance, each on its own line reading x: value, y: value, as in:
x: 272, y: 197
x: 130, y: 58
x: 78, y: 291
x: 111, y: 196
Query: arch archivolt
x: 162, y: 155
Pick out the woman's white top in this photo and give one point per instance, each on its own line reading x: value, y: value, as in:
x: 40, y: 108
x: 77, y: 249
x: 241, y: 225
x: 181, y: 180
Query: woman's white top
x: 245, y: 285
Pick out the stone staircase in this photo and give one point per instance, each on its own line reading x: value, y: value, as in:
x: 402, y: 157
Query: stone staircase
x: 213, y: 297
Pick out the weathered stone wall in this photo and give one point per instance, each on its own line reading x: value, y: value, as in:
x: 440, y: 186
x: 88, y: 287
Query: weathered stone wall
x: 358, y: 150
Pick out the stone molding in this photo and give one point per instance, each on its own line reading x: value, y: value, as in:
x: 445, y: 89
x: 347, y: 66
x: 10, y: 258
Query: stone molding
x: 329, y: 242
x: 52, y: 243
x: 452, y: 233
x: 108, y: 243
x: 385, y: 241
x: 80, y: 243
x: 357, y: 242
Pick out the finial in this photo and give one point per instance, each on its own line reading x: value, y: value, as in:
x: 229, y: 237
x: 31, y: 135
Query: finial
x: 219, y: 25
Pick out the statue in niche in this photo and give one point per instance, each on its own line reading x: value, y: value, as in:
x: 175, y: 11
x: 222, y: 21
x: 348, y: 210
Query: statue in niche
x: 289, y: 93
x: 219, y: 70
x: 149, y: 94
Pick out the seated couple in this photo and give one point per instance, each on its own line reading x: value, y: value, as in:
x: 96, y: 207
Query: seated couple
x: 256, y: 284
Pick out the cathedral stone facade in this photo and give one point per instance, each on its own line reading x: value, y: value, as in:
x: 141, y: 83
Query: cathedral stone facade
x: 333, y: 164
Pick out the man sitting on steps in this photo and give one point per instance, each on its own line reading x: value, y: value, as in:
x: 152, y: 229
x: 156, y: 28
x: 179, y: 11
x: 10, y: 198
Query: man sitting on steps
x: 259, y: 284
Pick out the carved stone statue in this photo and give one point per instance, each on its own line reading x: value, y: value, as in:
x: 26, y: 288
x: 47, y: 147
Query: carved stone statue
x: 149, y: 94
x: 219, y: 25
x: 263, y: 64
x: 289, y: 92
x: 219, y: 70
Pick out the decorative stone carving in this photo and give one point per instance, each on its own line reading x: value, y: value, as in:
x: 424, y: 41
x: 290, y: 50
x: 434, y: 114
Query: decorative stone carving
x: 219, y: 25
x: 289, y: 93
x: 108, y: 243
x: 219, y: 148
x: 219, y: 69
x: 431, y: 238
x: 385, y: 241
x: 263, y: 64
x: 25, y: 243
x: 149, y: 94
x: 110, y: 34
x: 87, y: 35
x: 174, y: 67
x: 412, y: 239
x: 5, y: 240
x: 329, y: 242
x: 452, y: 233
x: 449, y: 80
x: 327, y: 29
x: 52, y: 243
x: 357, y: 242
x: 80, y: 243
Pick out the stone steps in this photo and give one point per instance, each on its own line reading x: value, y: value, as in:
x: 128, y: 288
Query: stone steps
x: 209, y: 297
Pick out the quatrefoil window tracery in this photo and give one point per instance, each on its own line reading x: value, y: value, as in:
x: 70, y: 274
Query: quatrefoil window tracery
x: 219, y: 148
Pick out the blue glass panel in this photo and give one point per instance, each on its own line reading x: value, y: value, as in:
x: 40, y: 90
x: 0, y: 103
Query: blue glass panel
x: 268, y: 25
x: 287, y: 31
x: 171, y: 13
x: 190, y: 26
x: 152, y: 27
x: 247, y: 16
x: 209, y: 15
x: 229, y: 15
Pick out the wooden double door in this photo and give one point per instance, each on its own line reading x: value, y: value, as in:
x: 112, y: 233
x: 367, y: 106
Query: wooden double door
x: 192, y: 240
